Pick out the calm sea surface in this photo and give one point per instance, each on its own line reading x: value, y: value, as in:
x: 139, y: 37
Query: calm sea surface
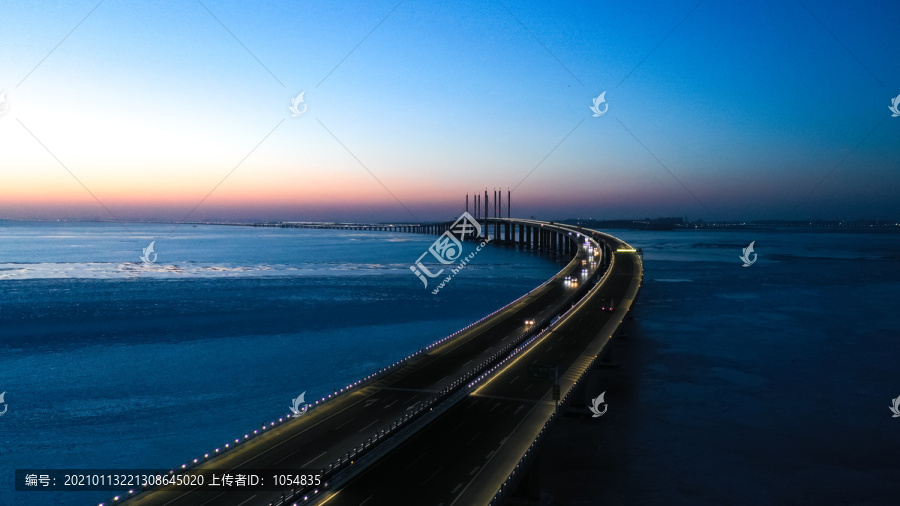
x: 745, y: 385
x: 110, y: 363
x: 760, y: 385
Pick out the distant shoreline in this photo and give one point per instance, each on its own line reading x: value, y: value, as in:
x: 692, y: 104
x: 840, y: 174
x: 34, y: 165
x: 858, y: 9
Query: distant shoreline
x: 658, y: 224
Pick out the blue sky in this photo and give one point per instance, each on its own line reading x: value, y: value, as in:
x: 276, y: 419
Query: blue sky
x: 717, y: 110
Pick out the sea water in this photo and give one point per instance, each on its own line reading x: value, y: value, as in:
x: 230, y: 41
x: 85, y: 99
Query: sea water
x: 757, y: 385
x: 741, y: 385
x: 109, y: 362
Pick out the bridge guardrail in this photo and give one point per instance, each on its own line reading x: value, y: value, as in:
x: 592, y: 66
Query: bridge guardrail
x: 446, y: 398
x: 453, y: 395
x: 536, y: 330
x: 512, y: 479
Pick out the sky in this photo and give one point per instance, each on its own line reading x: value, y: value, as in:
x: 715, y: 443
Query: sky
x: 179, y: 110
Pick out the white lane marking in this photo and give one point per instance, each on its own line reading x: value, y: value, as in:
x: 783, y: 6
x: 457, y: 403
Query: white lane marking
x: 207, y: 502
x: 490, y: 455
x: 245, y: 502
x: 521, y: 406
x: 367, y: 426
x: 413, y: 462
x: 513, y: 380
x: 314, y: 458
x: 473, y: 439
x: 474, y: 470
x: 389, y: 405
x: 432, y: 475
x: 458, y: 486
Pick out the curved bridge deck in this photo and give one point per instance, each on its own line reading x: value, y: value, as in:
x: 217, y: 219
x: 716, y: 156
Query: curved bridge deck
x: 472, y: 453
x: 452, y: 423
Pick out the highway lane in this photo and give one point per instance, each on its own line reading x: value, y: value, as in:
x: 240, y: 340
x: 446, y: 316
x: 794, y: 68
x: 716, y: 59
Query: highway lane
x: 329, y: 431
x: 464, y: 456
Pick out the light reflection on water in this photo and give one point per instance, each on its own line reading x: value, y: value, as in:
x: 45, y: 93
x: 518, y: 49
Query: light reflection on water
x: 109, y: 363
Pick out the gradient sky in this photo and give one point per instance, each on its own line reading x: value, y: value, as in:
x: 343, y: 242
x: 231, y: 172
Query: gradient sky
x: 717, y: 110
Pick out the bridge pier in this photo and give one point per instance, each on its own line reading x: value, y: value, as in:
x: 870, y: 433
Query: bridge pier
x: 502, y: 231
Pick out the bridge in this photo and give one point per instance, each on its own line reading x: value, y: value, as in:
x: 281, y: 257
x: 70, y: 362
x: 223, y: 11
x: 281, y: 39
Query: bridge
x: 456, y: 422
x: 529, y: 234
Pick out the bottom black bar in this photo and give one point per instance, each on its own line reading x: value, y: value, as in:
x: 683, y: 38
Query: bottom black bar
x: 114, y: 480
